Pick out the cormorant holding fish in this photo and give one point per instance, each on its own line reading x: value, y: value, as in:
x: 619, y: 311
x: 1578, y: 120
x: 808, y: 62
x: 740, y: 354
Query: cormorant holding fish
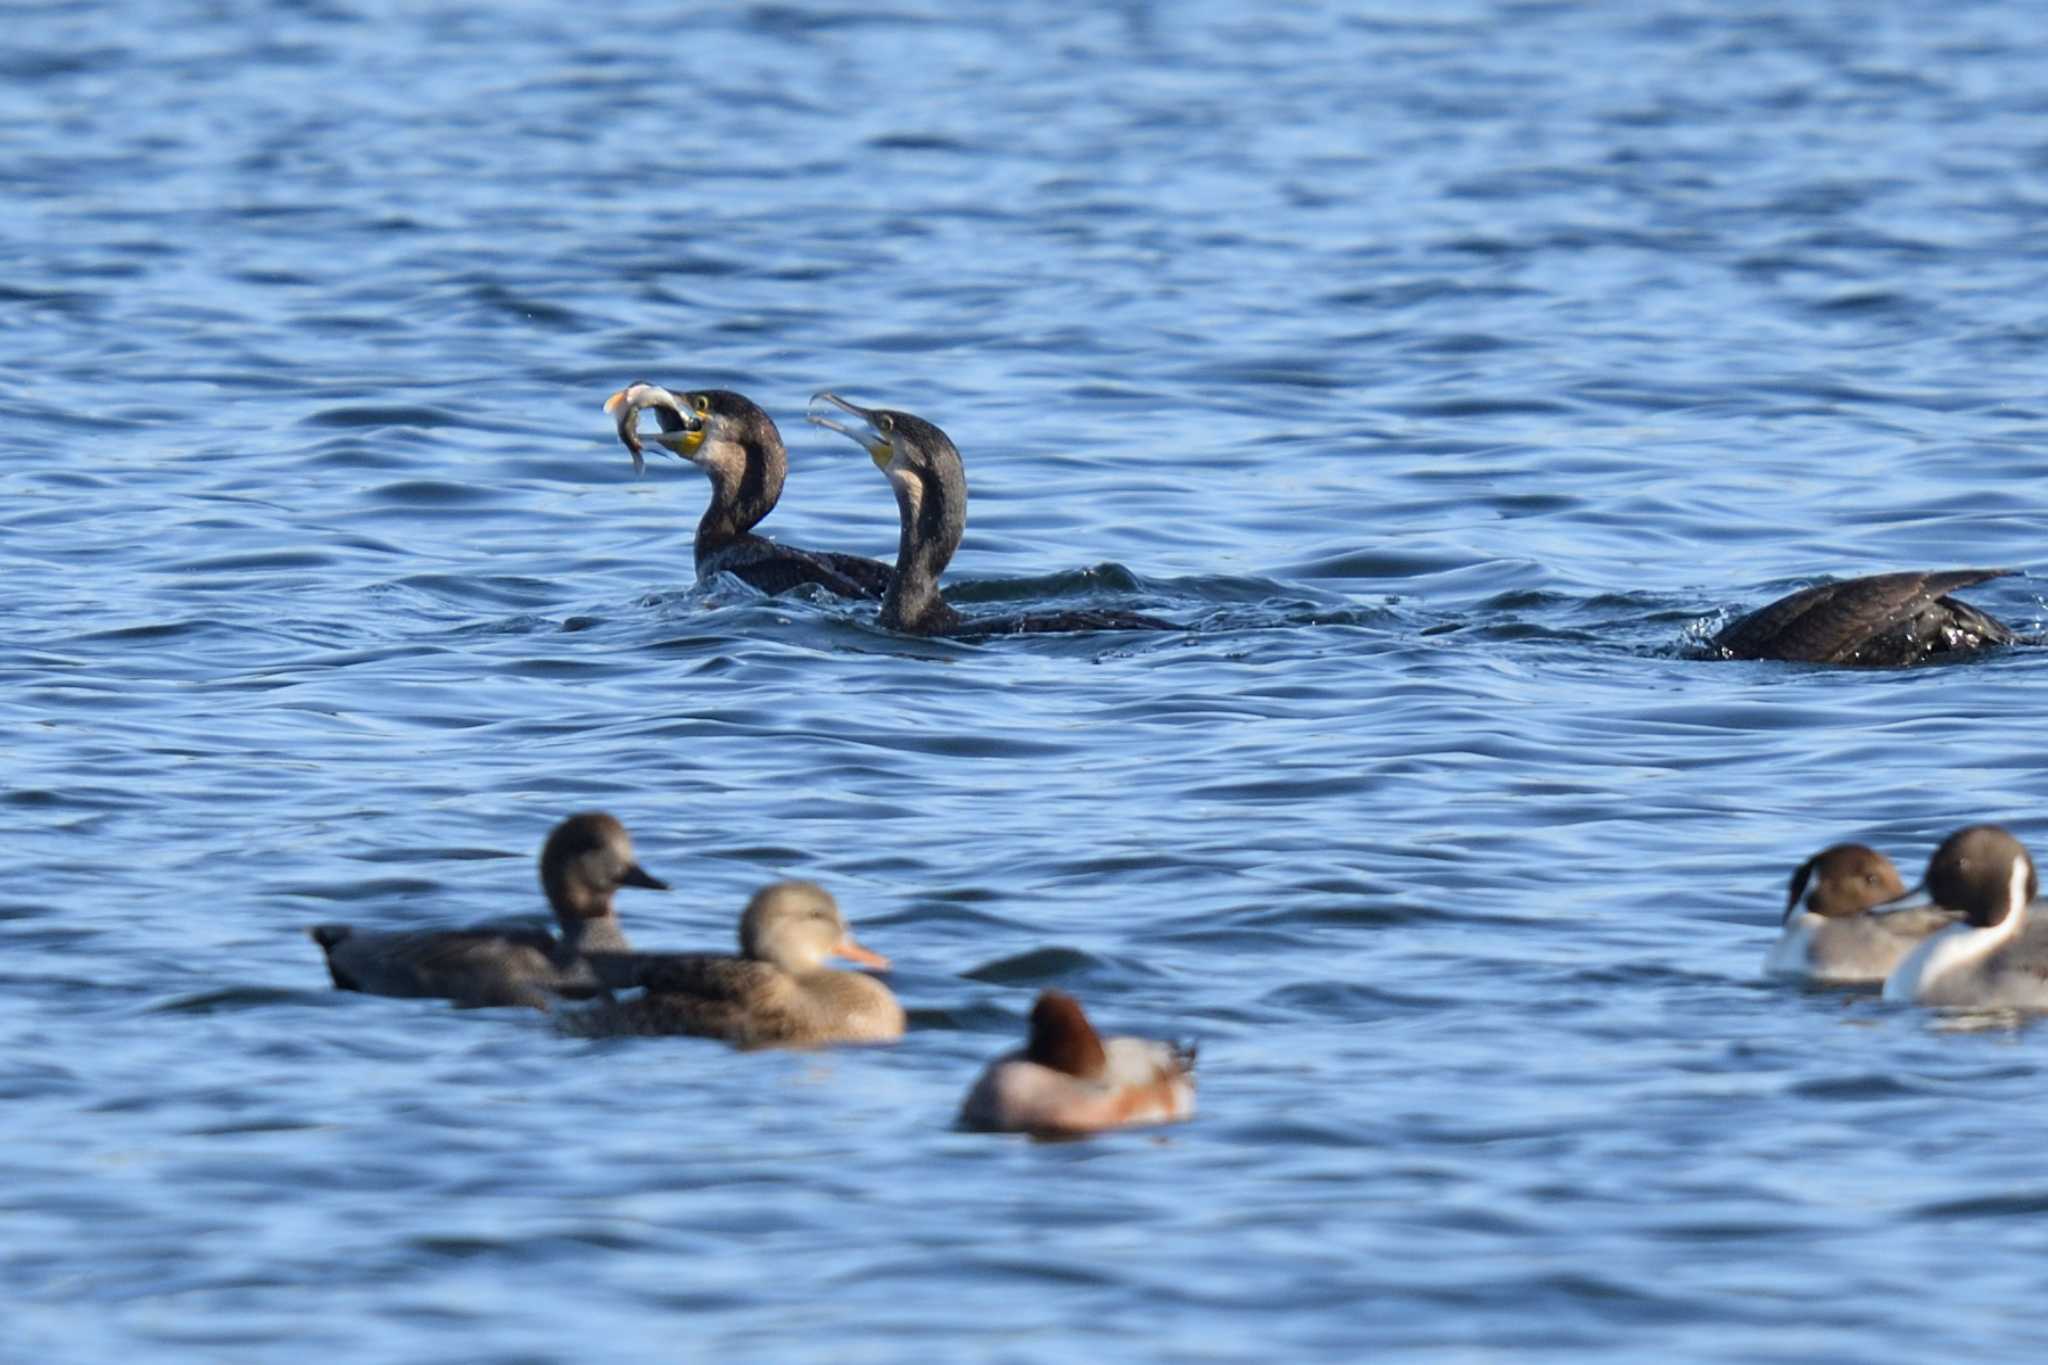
x: 924, y: 468
x: 738, y: 447
x: 1886, y: 619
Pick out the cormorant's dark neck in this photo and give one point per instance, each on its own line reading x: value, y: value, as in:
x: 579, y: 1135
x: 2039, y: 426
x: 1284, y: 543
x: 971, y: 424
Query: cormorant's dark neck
x: 933, y: 520
x: 746, y: 480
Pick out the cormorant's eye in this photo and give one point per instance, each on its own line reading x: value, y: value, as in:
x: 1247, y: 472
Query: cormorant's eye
x: 702, y: 404
x: 884, y: 423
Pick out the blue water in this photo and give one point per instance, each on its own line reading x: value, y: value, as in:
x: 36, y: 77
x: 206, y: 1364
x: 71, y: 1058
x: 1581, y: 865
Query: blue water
x: 1446, y: 370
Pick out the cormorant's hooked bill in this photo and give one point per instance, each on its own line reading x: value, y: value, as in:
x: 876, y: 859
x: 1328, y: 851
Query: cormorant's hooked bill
x: 876, y: 431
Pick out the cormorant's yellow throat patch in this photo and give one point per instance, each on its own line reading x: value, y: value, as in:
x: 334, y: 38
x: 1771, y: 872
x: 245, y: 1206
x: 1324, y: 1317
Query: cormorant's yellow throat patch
x: 880, y: 453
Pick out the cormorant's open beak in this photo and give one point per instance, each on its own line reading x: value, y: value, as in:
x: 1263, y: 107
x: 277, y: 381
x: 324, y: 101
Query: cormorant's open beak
x: 868, y: 435
x: 681, y: 430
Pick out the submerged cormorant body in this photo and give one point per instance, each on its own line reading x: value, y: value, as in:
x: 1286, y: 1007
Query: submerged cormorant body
x: 924, y: 468
x: 1885, y: 619
x: 736, y: 444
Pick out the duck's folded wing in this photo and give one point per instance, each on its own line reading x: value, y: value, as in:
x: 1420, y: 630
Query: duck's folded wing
x: 480, y: 966
x: 704, y: 995
x: 709, y: 976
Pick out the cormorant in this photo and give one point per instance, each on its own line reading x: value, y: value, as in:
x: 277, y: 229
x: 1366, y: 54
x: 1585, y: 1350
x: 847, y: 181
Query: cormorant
x: 924, y: 468
x: 737, y: 446
x: 1883, y: 619
x: 586, y: 859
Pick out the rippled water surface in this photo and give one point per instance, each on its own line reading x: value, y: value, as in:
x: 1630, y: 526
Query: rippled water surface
x: 1444, y: 370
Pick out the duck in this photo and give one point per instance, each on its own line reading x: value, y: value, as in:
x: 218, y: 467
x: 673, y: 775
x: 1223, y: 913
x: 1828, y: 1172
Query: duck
x: 1880, y: 620
x: 584, y: 862
x: 1068, y: 1081
x: 923, y: 467
x: 1829, y: 938
x: 776, y: 993
x: 738, y: 446
x: 1998, y: 957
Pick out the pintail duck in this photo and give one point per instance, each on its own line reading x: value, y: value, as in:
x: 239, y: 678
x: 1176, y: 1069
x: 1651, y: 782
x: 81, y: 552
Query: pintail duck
x: 1997, y: 958
x: 1830, y: 937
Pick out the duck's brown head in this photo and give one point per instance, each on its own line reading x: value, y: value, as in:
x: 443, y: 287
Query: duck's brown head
x: 1062, y: 1039
x: 586, y: 860
x: 1846, y: 879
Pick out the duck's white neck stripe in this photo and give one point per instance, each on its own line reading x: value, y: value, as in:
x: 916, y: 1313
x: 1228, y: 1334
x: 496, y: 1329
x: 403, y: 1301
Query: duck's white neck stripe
x: 1955, y: 950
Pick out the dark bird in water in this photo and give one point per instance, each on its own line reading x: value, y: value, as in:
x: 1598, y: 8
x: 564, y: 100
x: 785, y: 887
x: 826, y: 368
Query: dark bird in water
x: 777, y: 993
x: 737, y: 446
x: 585, y: 860
x: 924, y: 468
x: 1885, y: 619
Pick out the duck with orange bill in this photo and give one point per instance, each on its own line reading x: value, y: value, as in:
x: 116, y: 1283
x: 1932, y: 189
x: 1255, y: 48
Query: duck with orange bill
x: 777, y: 992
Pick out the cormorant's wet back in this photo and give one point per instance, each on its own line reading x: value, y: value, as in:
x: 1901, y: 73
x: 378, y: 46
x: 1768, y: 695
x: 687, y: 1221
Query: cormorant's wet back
x: 736, y: 444
x: 1885, y: 619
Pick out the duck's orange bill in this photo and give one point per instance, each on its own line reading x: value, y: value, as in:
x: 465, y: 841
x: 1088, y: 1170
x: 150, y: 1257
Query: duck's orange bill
x: 853, y: 952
